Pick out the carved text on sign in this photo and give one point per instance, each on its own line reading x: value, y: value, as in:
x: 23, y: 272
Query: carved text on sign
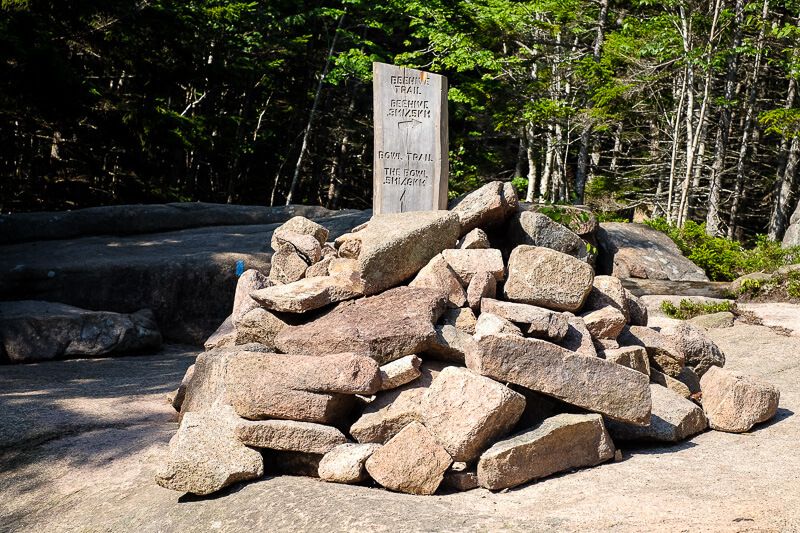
x: 410, y: 157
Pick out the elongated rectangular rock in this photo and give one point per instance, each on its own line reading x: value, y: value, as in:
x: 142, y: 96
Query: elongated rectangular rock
x: 273, y: 401
x: 560, y: 443
x: 466, y: 412
x: 298, y: 387
x: 32, y: 330
x: 400, y: 372
x: 386, y: 327
x: 673, y: 419
x: 541, y: 322
x: 588, y: 382
x: 306, y: 294
x: 289, y: 435
x: 346, y: 373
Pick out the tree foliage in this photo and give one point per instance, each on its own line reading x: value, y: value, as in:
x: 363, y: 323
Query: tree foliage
x: 689, y: 106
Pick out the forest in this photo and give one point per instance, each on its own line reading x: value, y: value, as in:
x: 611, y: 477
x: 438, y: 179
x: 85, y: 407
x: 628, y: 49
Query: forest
x: 689, y: 107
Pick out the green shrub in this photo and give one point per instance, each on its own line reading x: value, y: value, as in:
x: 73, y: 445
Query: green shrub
x: 610, y: 216
x: 750, y: 286
x: 724, y: 259
x: 793, y: 289
x: 564, y: 215
x: 687, y: 309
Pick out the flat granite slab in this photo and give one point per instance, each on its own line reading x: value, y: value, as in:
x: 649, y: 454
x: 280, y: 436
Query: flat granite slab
x: 143, y: 218
x: 186, y: 277
x: 99, y: 477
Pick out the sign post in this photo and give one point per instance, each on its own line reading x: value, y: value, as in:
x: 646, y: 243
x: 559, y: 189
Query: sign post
x: 410, y: 162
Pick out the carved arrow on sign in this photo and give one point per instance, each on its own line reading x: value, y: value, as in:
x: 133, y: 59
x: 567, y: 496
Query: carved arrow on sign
x: 413, y: 123
x: 409, y: 125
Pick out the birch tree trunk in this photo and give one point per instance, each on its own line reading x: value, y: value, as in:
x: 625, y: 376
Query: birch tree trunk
x: 582, y: 170
x: 304, y: 145
x: 785, y: 180
x: 692, y: 141
x: 531, y: 156
x: 547, y: 167
x: 784, y: 189
x: 686, y: 33
x: 521, y: 158
x: 676, y: 131
x: 747, y: 127
x: 339, y: 158
x: 723, y: 128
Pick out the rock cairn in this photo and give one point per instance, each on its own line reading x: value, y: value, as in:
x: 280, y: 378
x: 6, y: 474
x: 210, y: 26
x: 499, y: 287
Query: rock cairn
x: 412, y: 354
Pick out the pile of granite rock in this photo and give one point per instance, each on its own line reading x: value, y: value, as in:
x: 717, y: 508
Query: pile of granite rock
x: 454, y: 349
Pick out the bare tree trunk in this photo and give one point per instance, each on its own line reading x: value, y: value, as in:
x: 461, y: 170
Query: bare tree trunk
x: 693, y: 137
x: 531, y: 176
x: 698, y: 169
x: 614, y: 165
x: 582, y: 167
x: 547, y: 167
x: 333, y: 173
x: 559, y: 164
x: 530, y: 152
x: 724, y: 126
x: 676, y: 130
x: 689, y: 120
x: 582, y: 170
x: 312, y: 113
x: 550, y: 182
x: 781, y: 205
x: 339, y: 157
x: 521, y: 151
x: 747, y: 127
x: 785, y: 182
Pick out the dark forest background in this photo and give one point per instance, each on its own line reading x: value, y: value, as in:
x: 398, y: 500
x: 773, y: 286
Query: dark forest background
x: 689, y: 107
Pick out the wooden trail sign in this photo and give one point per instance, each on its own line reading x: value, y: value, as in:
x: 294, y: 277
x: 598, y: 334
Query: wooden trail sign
x: 410, y: 161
